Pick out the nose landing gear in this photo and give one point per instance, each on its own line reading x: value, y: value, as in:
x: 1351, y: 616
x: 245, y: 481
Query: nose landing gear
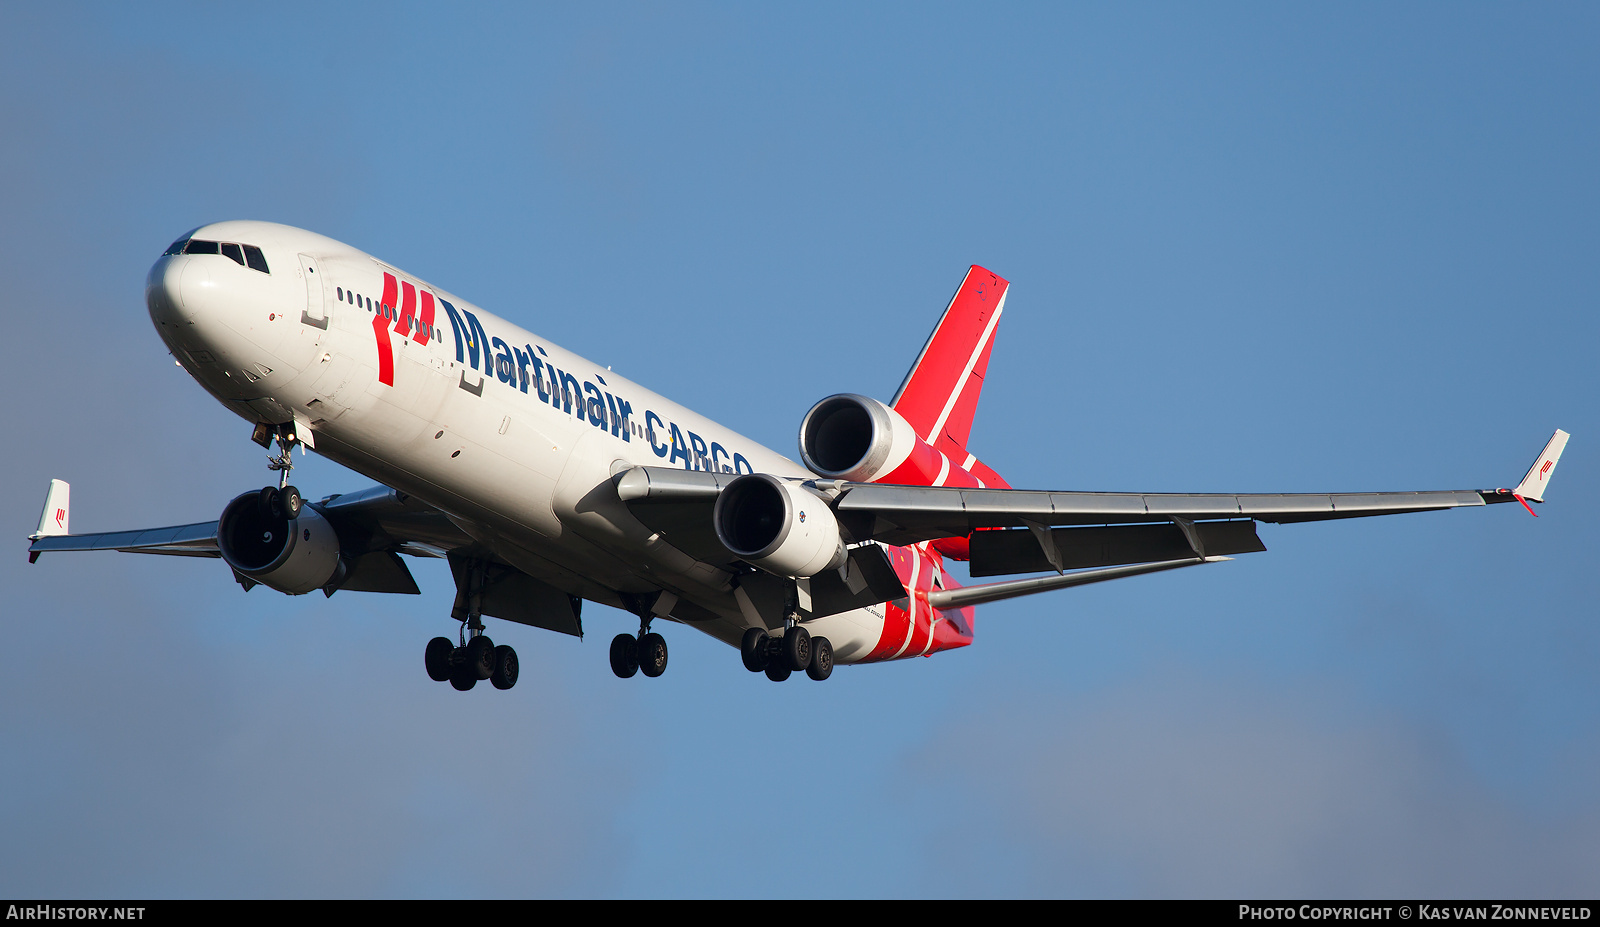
x: 285, y: 501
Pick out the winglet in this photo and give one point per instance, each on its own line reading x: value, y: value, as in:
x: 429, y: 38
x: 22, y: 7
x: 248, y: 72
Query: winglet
x: 57, y: 505
x: 1533, y: 485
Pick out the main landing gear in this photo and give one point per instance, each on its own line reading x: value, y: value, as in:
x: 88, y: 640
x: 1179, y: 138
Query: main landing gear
x: 646, y: 651
x: 476, y: 658
x: 780, y: 656
x: 473, y: 656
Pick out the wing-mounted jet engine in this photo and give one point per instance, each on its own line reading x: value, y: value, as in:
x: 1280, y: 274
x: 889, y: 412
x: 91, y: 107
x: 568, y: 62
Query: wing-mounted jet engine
x: 294, y: 553
x: 779, y: 526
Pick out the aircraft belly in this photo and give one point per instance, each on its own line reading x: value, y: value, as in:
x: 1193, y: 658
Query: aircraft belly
x: 852, y: 634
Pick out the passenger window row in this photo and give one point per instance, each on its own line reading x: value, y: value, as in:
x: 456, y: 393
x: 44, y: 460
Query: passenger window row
x: 388, y: 312
x: 243, y: 255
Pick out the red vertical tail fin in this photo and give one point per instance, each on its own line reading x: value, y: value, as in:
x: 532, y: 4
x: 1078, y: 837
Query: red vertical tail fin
x: 940, y: 393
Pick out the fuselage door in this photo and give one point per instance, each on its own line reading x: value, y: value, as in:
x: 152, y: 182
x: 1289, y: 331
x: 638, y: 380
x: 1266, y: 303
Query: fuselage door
x: 316, y: 312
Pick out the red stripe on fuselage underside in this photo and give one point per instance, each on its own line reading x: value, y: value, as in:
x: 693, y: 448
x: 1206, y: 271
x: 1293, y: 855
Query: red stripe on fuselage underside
x: 922, y: 629
x: 427, y: 318
x: 944, y: 359
x: 408, y: 312
x: 895, y: 618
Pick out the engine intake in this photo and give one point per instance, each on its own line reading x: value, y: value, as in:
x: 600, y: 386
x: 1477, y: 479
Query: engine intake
x: 295, y: 556
x: 778, y: 526
x: 851, y: 437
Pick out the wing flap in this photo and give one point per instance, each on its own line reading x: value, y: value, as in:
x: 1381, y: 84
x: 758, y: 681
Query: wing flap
x: 996, y: 553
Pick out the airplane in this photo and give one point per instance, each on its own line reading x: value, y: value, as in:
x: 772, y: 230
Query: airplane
x: 546, y: 480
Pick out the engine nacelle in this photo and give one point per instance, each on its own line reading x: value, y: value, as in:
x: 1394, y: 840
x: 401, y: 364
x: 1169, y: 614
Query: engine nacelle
x: 779, y: 526
x: 295, y: 556
x: 851, y: 437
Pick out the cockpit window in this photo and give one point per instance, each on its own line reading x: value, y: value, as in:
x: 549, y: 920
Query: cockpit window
x: 176, y: 247
x: 244, y: 255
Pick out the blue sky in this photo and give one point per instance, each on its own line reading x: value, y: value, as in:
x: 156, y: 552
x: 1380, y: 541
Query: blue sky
x: 1252, y: 248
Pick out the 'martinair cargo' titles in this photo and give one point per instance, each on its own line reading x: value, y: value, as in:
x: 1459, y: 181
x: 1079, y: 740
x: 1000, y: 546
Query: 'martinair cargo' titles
x: 587, y: 400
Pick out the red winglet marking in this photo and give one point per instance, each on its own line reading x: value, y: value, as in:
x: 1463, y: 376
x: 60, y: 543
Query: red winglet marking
x: 1518, y: 497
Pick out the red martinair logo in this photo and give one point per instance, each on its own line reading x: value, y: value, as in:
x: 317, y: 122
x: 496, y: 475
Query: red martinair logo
x: 400, y: 306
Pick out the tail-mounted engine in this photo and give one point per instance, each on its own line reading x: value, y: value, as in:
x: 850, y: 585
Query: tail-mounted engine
x: 293, y: 555
x: 779, y: 526
x: 851, y: 437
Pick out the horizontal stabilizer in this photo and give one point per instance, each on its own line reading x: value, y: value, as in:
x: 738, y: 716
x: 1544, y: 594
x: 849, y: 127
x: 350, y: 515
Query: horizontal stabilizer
x: 1010, y: 589
x: 1533, y: 485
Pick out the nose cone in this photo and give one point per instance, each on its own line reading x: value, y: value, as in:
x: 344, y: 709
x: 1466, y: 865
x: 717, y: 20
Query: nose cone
x: 225, y: 320
x: 163, y: 295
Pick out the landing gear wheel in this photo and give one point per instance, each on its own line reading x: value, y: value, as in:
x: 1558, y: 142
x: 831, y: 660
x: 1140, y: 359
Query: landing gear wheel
x: 290, y: 502
x: 753, y: 650
x: 268, y: 501
x: 480, y: 656
x: 505, y: 667
x: 778, y: 671
x: 437, y: 658
x: 624, y: 655
x: 653, y: 655
x: 462, y: 677
x: 821, y: 665
x: 797, y: 648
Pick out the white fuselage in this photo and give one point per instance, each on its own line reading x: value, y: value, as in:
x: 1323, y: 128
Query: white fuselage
x: 514, y: 438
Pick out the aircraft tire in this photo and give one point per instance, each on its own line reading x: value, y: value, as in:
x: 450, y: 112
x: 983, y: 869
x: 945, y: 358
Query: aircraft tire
x: 753, y: 650
x: 821, y: 665
x: 778, y: 671
x: 505, y: 667
x: 480, y: 656
x: 653, y: 655
x: 797, y: 648
x: 290, y: 501
x: 268, y: 501
x: 624, y: 655
x: 437, y: 658
x: 462, y: 677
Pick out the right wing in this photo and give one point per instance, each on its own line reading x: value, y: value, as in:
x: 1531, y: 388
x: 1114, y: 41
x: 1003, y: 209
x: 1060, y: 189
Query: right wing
x: 1020, y: 531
